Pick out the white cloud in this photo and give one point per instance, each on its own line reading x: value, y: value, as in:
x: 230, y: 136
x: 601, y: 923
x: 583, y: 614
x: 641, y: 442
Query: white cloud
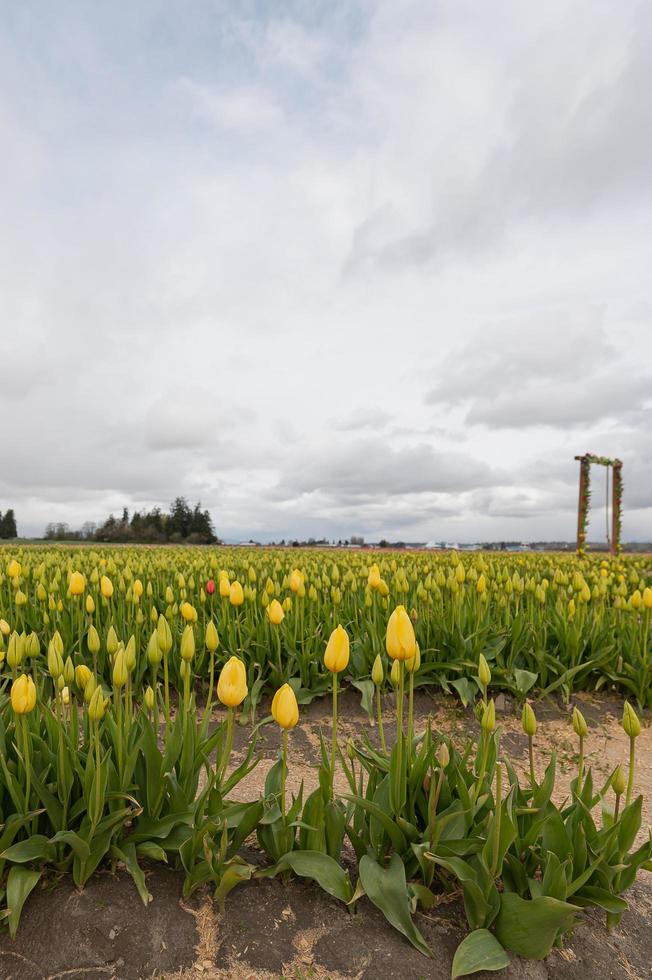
x: 334, y: 268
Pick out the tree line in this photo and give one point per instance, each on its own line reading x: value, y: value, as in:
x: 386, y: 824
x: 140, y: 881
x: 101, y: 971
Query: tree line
x: 182, y: 524
x: 8, y: 527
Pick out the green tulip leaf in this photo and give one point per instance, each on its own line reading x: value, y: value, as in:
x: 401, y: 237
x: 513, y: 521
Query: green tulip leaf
x: 321, y: 868
x: 479, y: 951
x: 387, y: 889
x: 20, y: 882
x: 530, y: 928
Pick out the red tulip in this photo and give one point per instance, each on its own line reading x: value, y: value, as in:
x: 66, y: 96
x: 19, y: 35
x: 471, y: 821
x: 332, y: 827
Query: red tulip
x: 210, y: 587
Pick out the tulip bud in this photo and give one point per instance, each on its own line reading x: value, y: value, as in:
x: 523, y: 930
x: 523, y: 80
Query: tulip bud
x: 232, y: 683
x: 55, y: 662
x: 395, y: 673
x: 484, y: 672
x: 443, y: 755
x: 82, y: 676
x: 188, y: 612
x: 489, y: 717
x: 96, y: 706
x: 188, y: 644
x: 154, y: 654
x: 32, y: 645
x: 5, y: 628
x: 89, y: 687
x: 618, y: 782
x: 377, y: 672
x: 412, y: 665
x: 528, y: 720
x: 65, y: 694
x: 149, y: 698
x: 285, y: 709
x: 93, y: 641
x: 106, y: 587
x: 111, y: 641
x: 236, y: 594
x: 90, y: 604
x: 120, y: 671
x: 579, y: 724
x: 211, y: 638
x: 275, y: 612
x: 68, y: 671
x: 481, y: 584
x: 130, y: 653
x: 77, y: 584
x: 336, y: 656
x: 647, y: 598
x: 23, y: 695
x: 210, y: 587
x: 631, y: 724
x: 164, y: 635
x: 400, y: 640
x: 58, y: 642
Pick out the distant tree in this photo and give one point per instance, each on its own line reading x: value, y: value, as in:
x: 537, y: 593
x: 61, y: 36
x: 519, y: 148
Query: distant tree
x: 8, y: 525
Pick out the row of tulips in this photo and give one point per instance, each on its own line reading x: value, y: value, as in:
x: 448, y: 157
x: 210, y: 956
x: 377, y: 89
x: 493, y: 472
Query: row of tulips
x: 547, y: 623
x: 136, y: 771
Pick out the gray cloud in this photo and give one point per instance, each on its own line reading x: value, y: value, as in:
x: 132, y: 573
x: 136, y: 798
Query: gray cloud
x: 181, y: 194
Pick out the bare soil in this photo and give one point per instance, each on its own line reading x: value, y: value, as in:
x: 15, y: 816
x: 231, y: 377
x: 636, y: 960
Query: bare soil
x: 271, y: 931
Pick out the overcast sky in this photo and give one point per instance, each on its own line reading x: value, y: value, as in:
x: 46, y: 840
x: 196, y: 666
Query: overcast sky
x: 377, y: 268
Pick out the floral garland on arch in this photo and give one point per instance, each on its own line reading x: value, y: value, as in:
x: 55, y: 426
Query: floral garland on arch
x: 585, y: 498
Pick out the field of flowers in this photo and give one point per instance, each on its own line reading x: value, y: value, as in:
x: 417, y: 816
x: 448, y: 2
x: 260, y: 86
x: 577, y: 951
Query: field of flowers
x: 114, y: 659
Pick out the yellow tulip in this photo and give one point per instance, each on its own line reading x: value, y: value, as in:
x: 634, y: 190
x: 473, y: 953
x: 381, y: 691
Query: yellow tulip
x: 23, y: 695
x: 211, y: 638
x: 296, y: 580
x: 13, y: 568
x: 225, y: 587
x: 188, y: 612
x: 275, y: 612
x: 106, y: 587
x: 647, y: 598
x: 377, y: 671
x: 77, y: 583
x: 336, y: 656
x: 82, y: 676
x: 90, y: 604
x: 164, y: 635
x: 236, y: 595
x: 96, y: 705
x: 188, y: 644
x: 5, y: 628
x: 232, y: 683
x: 120, y: 671
x: 285, y: 709
x: 374, y: 578
x: 400, y: 640
x: 484, y: 672
x: 149, y: 698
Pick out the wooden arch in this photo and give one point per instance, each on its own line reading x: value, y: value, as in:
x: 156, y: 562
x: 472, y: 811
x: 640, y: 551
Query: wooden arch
x: 585, y: 499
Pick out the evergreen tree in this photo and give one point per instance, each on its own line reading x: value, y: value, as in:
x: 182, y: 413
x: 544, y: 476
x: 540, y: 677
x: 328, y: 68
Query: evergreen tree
x: 8, y: 527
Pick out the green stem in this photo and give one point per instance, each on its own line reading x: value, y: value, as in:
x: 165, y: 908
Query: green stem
x: 284, y: 770
x: 334, y: 735
x: 632, y: 767
x: 26, y: 755
x: 166, y: 688
x: 410, y: 712
x: 228, y: 745
x: 580, y: 767
x: 531, y: 755
x: 381, y: 729
x: 98, y: 765
x: 497, y: 820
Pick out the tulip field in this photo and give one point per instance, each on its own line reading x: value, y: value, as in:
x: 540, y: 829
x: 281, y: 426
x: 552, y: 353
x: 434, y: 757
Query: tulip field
x: 126, y: 671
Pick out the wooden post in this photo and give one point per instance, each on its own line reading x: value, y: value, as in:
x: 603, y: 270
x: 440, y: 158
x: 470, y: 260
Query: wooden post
x: 616, y: 491
x: 580, y: 544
